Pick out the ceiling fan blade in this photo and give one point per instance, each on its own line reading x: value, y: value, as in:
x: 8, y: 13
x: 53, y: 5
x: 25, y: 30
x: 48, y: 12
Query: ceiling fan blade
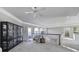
x: 28, y: 12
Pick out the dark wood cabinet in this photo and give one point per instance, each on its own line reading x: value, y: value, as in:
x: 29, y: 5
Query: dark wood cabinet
x: 10, y: 35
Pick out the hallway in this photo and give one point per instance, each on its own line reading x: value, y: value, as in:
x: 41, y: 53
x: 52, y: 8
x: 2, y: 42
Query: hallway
x: 38, y: 47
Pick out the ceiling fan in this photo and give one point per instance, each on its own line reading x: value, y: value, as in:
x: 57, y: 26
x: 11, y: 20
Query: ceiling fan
x: 35, y: 11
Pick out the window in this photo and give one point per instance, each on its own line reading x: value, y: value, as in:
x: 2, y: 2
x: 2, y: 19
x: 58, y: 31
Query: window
x: 36, y: 31
x: 29, y: 32
x: 41, y: 29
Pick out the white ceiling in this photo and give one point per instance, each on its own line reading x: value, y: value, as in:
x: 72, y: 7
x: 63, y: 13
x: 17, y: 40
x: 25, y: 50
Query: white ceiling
x: 46, y: 14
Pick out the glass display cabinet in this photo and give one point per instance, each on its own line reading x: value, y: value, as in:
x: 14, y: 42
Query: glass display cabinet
x: 10, y: 35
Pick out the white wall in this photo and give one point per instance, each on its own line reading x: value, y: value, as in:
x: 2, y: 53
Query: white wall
x: 57, y: 30
x: 25, y: 33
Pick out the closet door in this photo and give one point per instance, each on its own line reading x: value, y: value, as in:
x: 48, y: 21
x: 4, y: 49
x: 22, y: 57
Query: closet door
x: 15, y: 34
x: 4, y: 35
x: 10, y: 38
